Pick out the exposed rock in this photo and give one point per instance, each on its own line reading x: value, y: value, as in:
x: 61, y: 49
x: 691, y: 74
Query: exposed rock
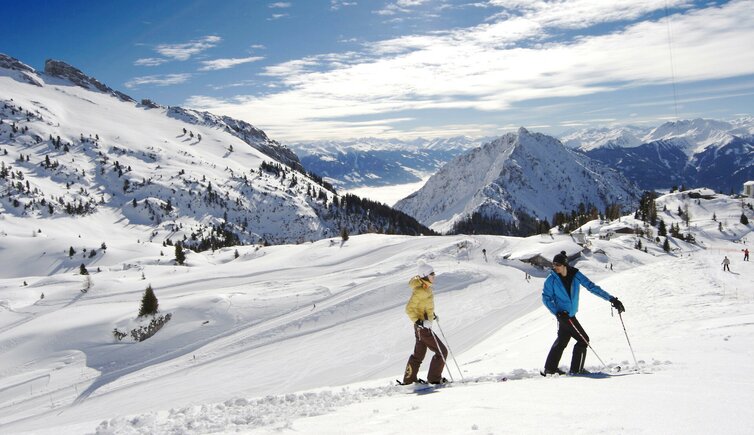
x: 62, y: 70
x: 24, y: 72
x: 146, y: 102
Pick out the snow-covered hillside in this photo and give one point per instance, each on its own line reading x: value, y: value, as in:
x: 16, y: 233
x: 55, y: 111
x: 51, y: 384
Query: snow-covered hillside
x: 309, y: 338
x: 520, y: 172
x: 72, y: 147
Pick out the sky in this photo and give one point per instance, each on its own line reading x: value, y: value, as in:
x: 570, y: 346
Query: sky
x: 335, y: 69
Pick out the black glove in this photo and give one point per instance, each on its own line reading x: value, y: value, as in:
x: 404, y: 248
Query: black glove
x: 436, y: 316
x: 562, y: 315
x: 618, y: 305
x: 419, y: 323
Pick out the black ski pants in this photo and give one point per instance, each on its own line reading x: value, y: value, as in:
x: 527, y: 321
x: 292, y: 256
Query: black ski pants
x: 425, y: 338
x: 568, y: 328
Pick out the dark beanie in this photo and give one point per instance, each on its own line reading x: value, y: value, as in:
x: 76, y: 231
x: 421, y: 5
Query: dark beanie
x: 561, y: 258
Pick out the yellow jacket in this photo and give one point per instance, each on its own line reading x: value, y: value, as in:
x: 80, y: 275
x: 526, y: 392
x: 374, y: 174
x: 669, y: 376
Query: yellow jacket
x: 422, y: 302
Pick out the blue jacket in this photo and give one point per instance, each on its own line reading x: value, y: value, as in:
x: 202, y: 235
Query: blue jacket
x: 556, y: 298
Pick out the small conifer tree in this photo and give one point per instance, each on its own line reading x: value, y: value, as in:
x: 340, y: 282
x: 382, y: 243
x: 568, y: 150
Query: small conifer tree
x: 82, y: 270
x: 744, y: 219
x: 344, y: 234
x: 149, y: 303
x: 666, y: 245
x: 180, y: 256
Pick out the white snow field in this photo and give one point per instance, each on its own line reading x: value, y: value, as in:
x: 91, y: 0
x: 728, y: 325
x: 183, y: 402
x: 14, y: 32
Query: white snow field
x: 309, y: 338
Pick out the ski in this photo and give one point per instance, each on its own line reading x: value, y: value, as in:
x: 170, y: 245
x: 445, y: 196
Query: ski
x: 421, y: 386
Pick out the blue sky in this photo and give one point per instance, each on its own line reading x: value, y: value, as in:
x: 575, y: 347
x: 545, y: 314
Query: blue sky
x: 330, y: 69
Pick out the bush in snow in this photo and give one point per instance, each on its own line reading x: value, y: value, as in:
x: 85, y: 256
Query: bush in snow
x: 144, y: 331
x: 744, y: 219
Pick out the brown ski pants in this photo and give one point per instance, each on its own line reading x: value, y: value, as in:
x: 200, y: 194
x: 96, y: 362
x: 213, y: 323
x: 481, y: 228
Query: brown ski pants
x: 425, y: 338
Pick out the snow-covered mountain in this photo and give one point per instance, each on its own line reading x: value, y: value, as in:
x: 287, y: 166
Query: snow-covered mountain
x: 699, y: 152
x: 371, y: 162
x: 519, y: 173
x: 71, y: 146
x: 605, y: 137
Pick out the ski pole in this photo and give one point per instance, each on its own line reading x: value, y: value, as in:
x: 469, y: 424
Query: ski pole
x: 437, y: 343
x: 629, y: 341
x: 587, y: 343
x: 450, y: 351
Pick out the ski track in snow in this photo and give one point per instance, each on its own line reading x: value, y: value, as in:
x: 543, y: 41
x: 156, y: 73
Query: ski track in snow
x: 278, y: 412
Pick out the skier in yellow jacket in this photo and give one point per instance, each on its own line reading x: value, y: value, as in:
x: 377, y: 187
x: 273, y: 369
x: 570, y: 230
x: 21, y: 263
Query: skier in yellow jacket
x: 421, y: 311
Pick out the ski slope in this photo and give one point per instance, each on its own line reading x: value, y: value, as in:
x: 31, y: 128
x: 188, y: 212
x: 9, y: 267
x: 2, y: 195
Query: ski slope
x: 309, y: 338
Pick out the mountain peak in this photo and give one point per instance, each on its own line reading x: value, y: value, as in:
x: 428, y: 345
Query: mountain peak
x: 60, y: 69
x: 23, y: 71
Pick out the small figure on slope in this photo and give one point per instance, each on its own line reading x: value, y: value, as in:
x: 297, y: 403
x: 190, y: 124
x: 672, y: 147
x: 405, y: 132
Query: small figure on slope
x: 561, y: 296
x: 726, y: 264
x: 746, y: 254
x: 421, y: 311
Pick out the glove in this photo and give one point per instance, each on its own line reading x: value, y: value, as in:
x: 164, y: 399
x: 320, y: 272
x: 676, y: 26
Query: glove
x: 618, y: 305
x: 436, y: 316
x: 424, y: 324
x: 562, y: 315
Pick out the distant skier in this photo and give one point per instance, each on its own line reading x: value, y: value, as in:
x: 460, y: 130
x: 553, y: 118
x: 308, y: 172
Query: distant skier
x: 484, y: 252
x: 726, y: 264
x: 746, y: 254
x: 561, y: 296
x: 421, y: 311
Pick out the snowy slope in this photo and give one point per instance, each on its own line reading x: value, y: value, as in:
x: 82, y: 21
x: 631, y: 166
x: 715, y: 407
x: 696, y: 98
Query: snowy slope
x: 308, y: 338
x: 519, y: 172
x: 70, y: 148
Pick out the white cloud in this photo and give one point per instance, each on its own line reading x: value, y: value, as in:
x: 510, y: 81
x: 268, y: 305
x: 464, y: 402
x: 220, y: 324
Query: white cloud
x: 337, y: 4
x: 277, y: 17
x: 150, y: 61
x: 218, y: 64
x: 493, y: 66
x: 158, y: 80
x: 189, y: 49
x: 279, y: 5
x: 583, y: 13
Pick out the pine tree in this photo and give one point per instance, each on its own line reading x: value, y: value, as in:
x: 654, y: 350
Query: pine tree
x: 82, y: 270
x: 149, y: 303
x: 666, y: 245
x: 71, y: 251
x: 344, y: 234
x: 744, y: 219
x: 180, y: 256
x: 662, y: 229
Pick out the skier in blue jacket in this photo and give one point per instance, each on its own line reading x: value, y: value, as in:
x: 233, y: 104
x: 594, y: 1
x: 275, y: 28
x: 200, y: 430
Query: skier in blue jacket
x: 561, y: 296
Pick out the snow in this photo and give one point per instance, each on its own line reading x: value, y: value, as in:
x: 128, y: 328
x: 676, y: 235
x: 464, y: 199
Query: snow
x: 388, y: 194
x: 309, y: 338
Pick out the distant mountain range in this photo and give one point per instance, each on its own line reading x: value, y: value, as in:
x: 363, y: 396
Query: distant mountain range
x: 694, y: 153
x: 380, y: 162
x: 70, y: 145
